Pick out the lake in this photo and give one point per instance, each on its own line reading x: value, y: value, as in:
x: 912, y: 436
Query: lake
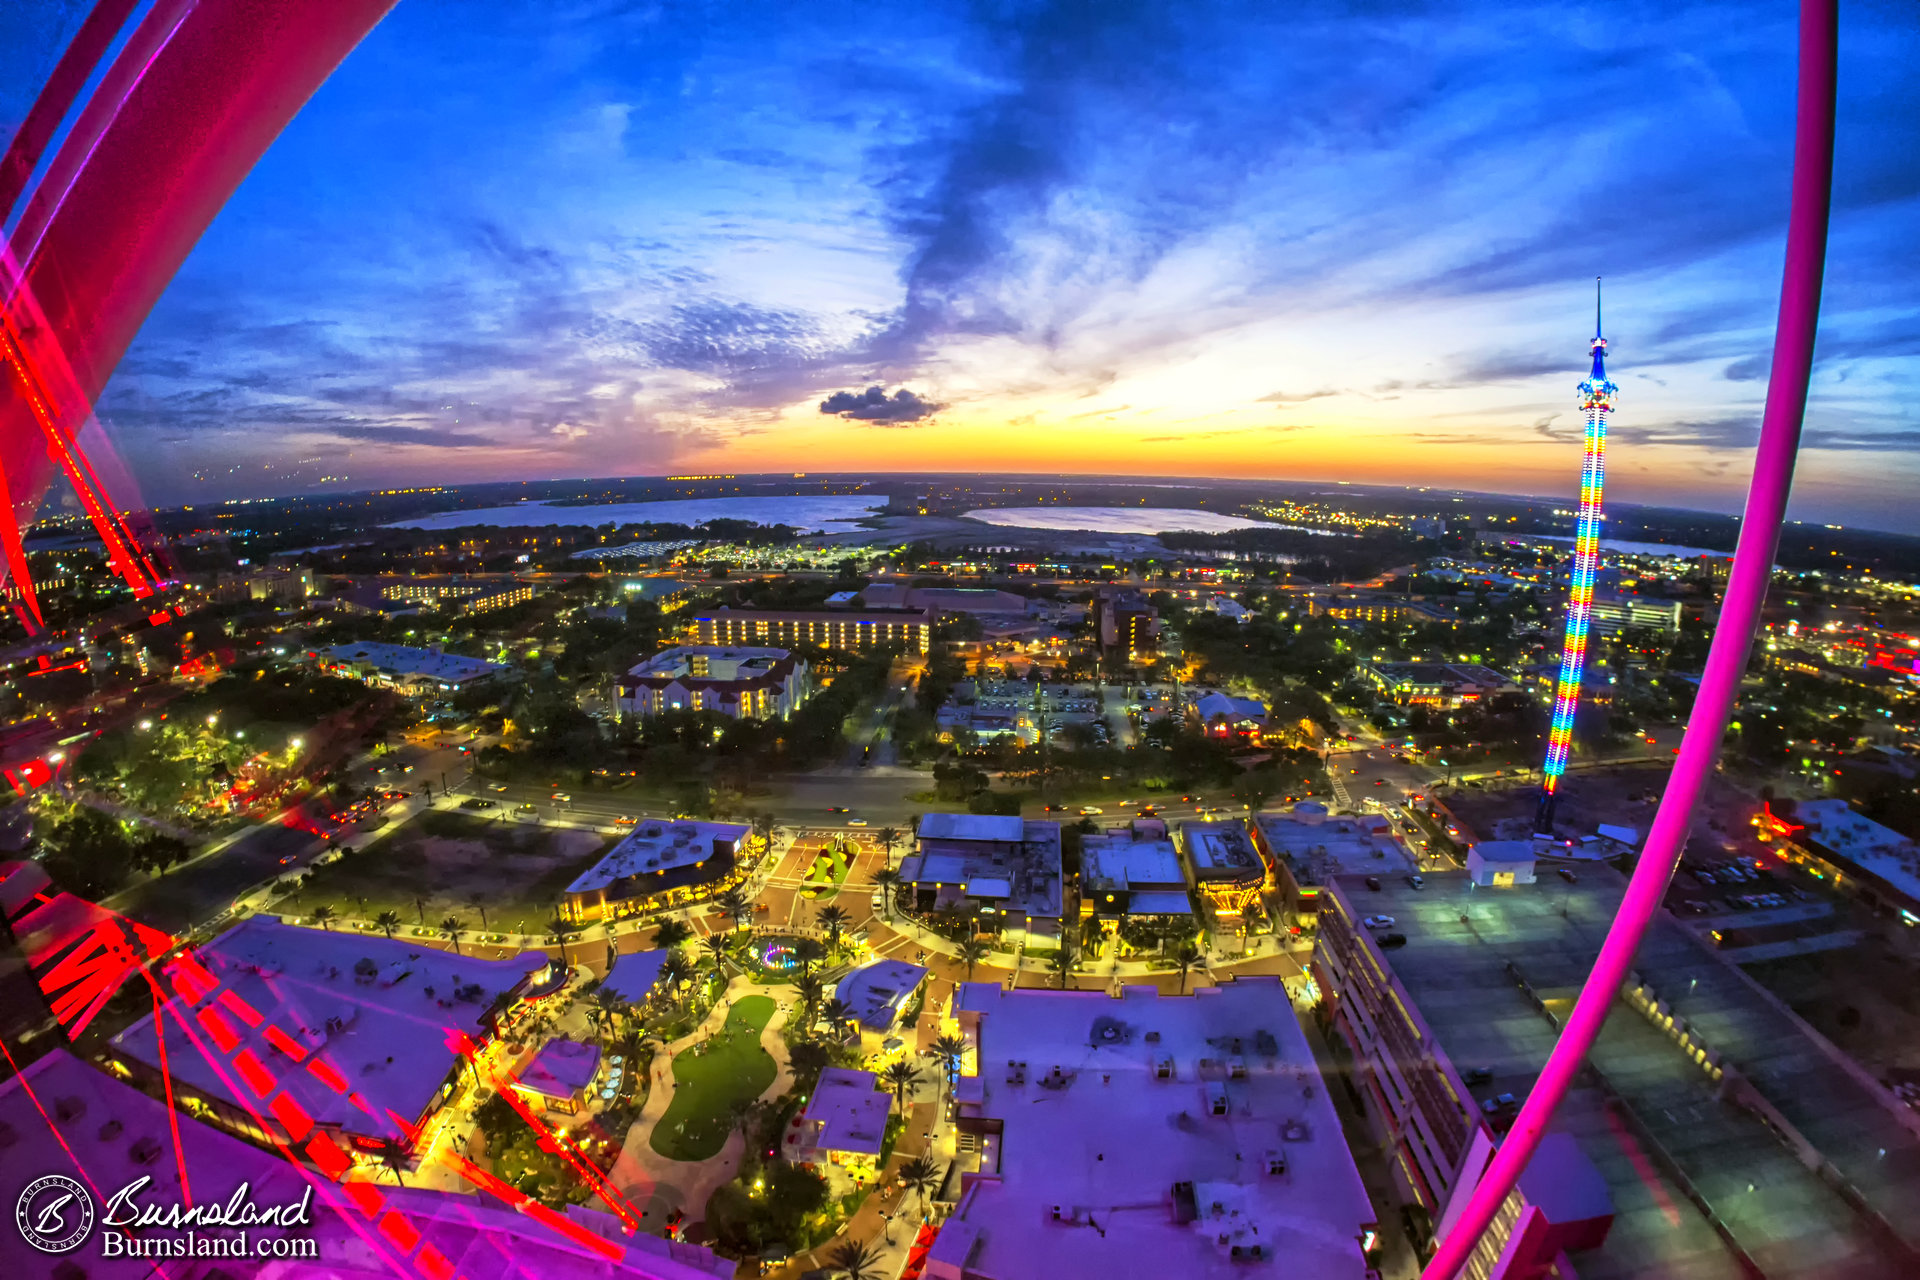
x: 1140, y: 520
x: 811, y: 513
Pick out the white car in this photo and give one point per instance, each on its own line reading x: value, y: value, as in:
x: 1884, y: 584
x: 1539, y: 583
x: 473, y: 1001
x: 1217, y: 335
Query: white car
x: 1378, y: 922
x: 1088, y: 811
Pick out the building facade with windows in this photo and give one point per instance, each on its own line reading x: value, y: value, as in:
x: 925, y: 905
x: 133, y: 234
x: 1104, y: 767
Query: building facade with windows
x: 910, y: 632
x: 735, y: 681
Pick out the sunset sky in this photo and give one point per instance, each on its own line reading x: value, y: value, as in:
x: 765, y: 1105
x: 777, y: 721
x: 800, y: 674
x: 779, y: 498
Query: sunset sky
x: 535, y: 238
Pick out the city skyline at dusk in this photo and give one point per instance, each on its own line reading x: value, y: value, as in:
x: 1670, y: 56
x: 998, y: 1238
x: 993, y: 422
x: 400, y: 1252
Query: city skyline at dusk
x: 586, y: 240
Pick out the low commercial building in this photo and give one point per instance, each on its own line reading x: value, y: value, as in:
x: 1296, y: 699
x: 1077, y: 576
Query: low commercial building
x: 1874, y: 862
x: 1308, y: 847
x: 1002, y: 871
x: 845, y: 1123
x: 1132, y: 871
x: 635, y: 976
x: 910, y: 632
x: 1437, y: 684
x: 408, y: 669
x: 362, y: 1001
x: 737, y: 682
x: 1147, y: 1135
x: 467, y: 595
x: 1732, y: 1141
x: 658, y: 864
x: 559, y: 1076
x: 1223, y: 866
x: 1614, y: 615
x: 879, y: 994
x: 1501, y: 864
x: 1222, y: 715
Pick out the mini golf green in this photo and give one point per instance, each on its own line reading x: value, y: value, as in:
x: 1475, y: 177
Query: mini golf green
x: 729, y: 1066
x: 829, y: 868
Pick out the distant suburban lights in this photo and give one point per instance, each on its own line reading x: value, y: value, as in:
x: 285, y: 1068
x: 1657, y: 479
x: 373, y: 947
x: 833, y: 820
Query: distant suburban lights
x: 1596, y: 398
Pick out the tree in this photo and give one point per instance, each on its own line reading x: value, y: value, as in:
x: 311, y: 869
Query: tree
x: 949, y: 1049
x: 1061, y: 962
x: 716, y: 945
x: 387, y: 921
x: 921, y: 1176
x: 810, y: 990
x: 607, y: 1008
x: 889, y: 836
x: 900, y: 1076
x: 972, y: 952
x: 677, y: 970
x: 858, y: 1259
x: 735, y: 904
x: 833, y: 919
x: 325, y: 915
x: 451, y: 926
x: 671, y: 933
x: 559, y: 931
x: 838, y: 1013
x: 887, y: 880
x: 809, y: 953
x: 1186, y: 956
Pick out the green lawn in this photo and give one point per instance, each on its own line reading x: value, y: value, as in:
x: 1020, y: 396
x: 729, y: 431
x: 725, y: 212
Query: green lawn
x: 730, y: 1066
x: 828, y: 868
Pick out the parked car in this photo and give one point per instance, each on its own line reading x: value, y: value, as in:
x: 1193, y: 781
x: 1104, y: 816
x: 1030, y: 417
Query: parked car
x: 1378, y: 922
x: 1388, y: 941
x: 1373, y: 883
x: 1566, y: 873
x: 1417, y: 881
x: 475, y: 802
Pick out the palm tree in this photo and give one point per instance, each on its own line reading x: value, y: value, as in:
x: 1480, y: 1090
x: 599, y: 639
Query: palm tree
x: 387, y: 921
x: 811, y: 989
x: 949, y: 1049
x: 671, y: 933
x: 889, y: 836
x: 394, y: 1156
x: 833, y: 919
x: 900, y: 1076
x: 921, y: 1176
x: 1186, y: 957
x: 972, y: 951
x: 809, y: 953
x: 735, y: 904
x: 837, y: 1013
x: 559, y: 930
x: 607, y: 1007
x: 325, y: 915
x: 677, y: 970
x: 716, y: 945
x: 452, y: 926
x: 1061, y: 962
x: 887, y: 880
x: 858, y: 1259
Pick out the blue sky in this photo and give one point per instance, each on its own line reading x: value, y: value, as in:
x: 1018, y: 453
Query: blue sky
x: 520, y: 238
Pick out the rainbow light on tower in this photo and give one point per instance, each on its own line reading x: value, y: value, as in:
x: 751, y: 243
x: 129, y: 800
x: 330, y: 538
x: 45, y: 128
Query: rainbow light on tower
x: 1596, y: 398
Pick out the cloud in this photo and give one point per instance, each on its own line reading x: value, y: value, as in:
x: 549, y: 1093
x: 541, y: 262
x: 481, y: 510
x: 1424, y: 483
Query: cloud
x: 874, y: 405
x: 1282, y: 397
x: 1748, y: 369
x: 568, y: 432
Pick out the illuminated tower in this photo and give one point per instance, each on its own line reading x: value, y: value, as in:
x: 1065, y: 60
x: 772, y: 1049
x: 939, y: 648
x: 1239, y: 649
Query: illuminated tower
x: 1596, y: 399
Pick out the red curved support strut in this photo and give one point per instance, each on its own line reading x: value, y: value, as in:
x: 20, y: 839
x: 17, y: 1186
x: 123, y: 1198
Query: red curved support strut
x: 1732, y: 640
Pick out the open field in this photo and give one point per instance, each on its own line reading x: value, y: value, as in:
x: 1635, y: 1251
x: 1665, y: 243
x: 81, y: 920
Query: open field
x: 443, y: 864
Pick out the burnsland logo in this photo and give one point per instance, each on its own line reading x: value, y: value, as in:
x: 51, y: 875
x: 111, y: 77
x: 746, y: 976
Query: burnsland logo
x: 54, y: 1214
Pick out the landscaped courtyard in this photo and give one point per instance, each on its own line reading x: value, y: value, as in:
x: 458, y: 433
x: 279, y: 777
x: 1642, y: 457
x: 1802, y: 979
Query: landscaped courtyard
x: 730, y: 1066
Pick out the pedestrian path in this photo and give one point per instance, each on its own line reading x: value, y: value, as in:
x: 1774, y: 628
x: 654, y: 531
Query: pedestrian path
x: 658, y: 1185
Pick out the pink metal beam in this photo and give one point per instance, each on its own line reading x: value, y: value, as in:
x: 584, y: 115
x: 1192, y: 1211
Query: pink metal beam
x: 1732, y: 640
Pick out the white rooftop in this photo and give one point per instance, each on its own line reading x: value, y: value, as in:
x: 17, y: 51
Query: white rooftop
x: 971, y: 826
x: 1881, y: 850
x: 1118, y: 860
x: 380, y: 1012
x: 1093, y: 1128
x: 847, y: 1112
x: 655, y: 848
x: 1220, y: 850
x: 878, y: 992
x: 1505, y: 851
x: 1316, y: 846
x: 405, y: 661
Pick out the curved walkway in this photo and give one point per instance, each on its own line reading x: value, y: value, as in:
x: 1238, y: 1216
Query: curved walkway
x: 658, y: 1185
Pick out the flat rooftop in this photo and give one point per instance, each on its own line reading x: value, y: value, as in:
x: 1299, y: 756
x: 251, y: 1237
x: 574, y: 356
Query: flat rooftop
x: 380, y: 1011
x: 1110, y: 1110
x: 561, y: 1069
x: 1790, y: 1220
x: 635, y: 974
x: 847, y: 1112
x: 656, y: 848
x: 1119, y: 860
x: 399, y: 661
x: 971, y: 826
x: 1018, y: 864
x: 1316, y: 847
x: 1220, y: 850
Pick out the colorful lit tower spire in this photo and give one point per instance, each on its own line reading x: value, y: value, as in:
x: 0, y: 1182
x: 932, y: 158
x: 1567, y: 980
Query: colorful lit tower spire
x: 1596, y: 399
